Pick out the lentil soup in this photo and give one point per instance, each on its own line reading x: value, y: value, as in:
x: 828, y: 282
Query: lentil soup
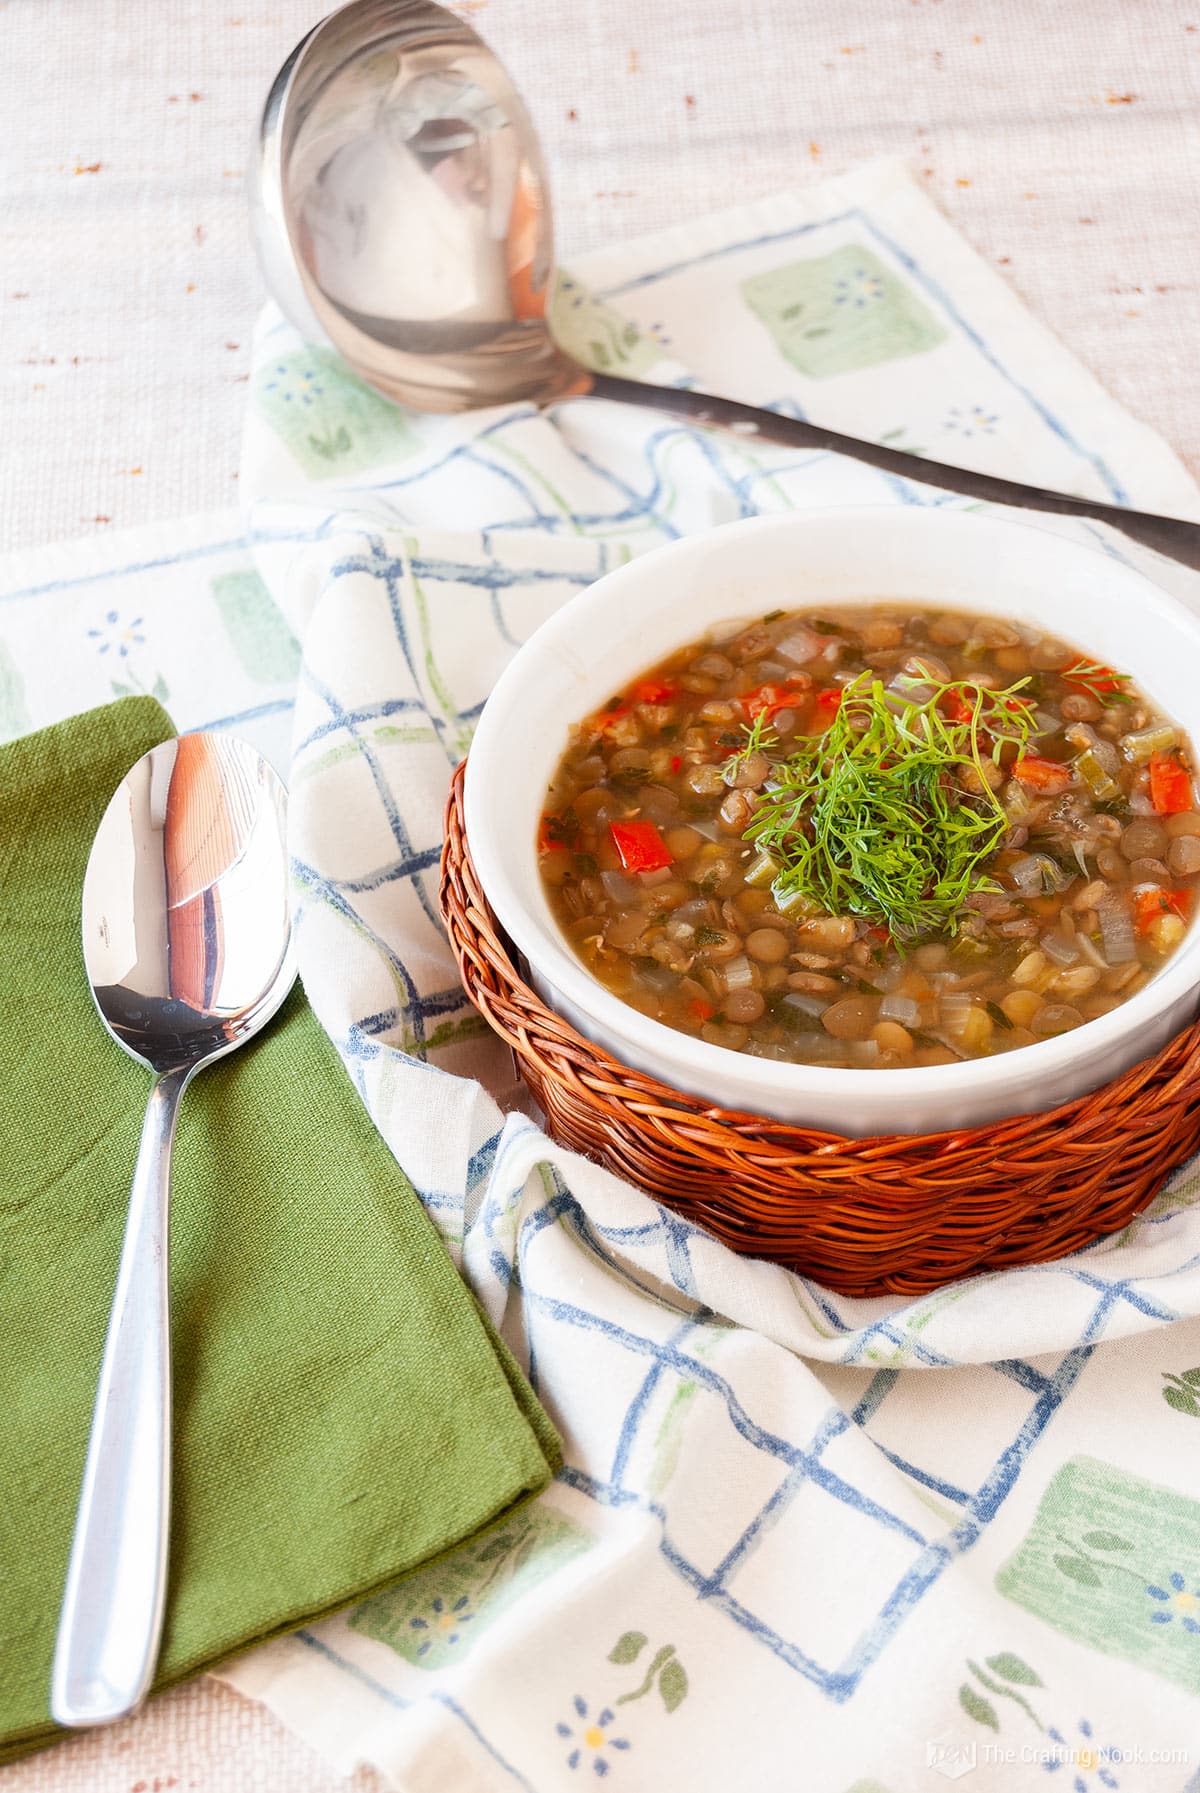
x: 873, y: 836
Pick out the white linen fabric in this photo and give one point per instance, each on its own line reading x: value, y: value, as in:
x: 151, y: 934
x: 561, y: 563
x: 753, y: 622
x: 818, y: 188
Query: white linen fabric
x: 962, y: 1518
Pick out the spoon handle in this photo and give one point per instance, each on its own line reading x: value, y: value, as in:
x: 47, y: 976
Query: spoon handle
x: 1172, y: 536
x: 112, y: 1612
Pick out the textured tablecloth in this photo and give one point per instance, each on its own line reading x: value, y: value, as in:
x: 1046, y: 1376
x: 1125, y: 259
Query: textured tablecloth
x: 1063, y: 141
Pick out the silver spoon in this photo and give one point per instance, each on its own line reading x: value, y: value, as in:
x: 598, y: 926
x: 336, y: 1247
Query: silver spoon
x: 187, y: 942
x: 401, y: 213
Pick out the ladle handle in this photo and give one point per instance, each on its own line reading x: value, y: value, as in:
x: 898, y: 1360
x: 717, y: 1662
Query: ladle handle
x: 1172, y: 536
x: 112, y: 1612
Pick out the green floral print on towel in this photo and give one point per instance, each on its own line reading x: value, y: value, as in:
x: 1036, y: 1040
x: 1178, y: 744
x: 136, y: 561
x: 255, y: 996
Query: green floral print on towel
x: 836, y: 313
x: 434, y: 1617
x: 1114, y: 1562
x: 331, y: 422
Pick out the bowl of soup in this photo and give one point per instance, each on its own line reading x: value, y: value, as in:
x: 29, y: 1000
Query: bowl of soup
x: 871, y: 820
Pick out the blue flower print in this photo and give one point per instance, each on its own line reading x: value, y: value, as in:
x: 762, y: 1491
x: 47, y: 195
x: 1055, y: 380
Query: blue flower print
x: 1090, y: 1765
x: 590, y: 1737
x: 1176, y: 1601
x: 971, y: 420
x: 116, y: 636
x: 443, y: 1623
x: 859, y: 289
x: 306, y: 387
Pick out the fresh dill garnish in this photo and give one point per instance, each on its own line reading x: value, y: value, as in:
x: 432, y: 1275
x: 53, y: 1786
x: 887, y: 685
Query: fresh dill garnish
x: 1100, y: 682
x: 757, y: 737
x: 889, y: 814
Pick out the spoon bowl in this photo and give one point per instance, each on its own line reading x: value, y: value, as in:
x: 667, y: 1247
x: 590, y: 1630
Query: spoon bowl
x: 402, y: 213
x: 188, y: 948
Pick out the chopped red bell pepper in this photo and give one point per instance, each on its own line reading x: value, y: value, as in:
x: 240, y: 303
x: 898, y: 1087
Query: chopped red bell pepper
x: 676, y: 761
x: 1148, y: 905
x: 653, y: 691
x: 828, y: 704
x: 640, y: 846
x: 1043, y: 775
x: 1170, y: 785
x: 955, y: 707
x: 701, y: 1010
x: 766, y: 701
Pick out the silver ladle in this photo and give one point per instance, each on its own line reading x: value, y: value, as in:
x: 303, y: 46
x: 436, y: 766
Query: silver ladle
x: 401, y: 214
x: 188, y: 948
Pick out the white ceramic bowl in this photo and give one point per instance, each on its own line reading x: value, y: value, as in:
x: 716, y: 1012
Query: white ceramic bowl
x: 635, y: 616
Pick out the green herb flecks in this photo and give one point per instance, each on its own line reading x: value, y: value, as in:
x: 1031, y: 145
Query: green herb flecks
x: 888, y: 814
x: 1100, y: 682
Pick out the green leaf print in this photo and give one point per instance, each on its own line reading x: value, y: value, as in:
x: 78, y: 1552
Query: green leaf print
x: 1106, y: 1541
x: 1140, y: 1604
x: 268, y: 651
x: 628, y: 1646
x: 331, y: 422
x: 1078, y: 1570
x: 596, y: 334
x: 1011, y: 1668
x: 976, y: 1707
x: 1183, y: 1392
x: 673, y: 1684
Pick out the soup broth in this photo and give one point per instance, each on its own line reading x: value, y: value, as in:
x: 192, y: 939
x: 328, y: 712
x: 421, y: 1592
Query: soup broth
x: 873, y: 837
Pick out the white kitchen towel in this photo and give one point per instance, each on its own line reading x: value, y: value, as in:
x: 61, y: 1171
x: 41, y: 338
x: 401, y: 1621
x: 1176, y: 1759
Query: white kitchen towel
x: 799, y: 1540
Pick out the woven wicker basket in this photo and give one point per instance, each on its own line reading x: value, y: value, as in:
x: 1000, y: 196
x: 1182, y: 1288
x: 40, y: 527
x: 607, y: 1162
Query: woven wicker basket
x: 864, y: 1216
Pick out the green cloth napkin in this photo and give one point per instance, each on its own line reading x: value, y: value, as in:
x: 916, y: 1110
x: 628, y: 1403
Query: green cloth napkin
x: 342, y: 1413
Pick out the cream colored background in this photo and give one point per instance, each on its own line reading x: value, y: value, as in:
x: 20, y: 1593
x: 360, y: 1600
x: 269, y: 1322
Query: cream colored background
x: 1063, y: 140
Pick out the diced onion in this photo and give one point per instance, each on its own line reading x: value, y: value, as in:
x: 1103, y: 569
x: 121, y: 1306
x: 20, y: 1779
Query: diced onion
x: 805, y: 1005
x: 738, y: 973
x: 904, y: 1009
x: 620, y: 888
x: 1038, y: 875
x: 957, y: 1008
x: 1026, y: 874
x: 1116, y: 928
x: 1017, y: 800
x: 1091, y: 951
x: 1061, y: 950
x: 800, y: 646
